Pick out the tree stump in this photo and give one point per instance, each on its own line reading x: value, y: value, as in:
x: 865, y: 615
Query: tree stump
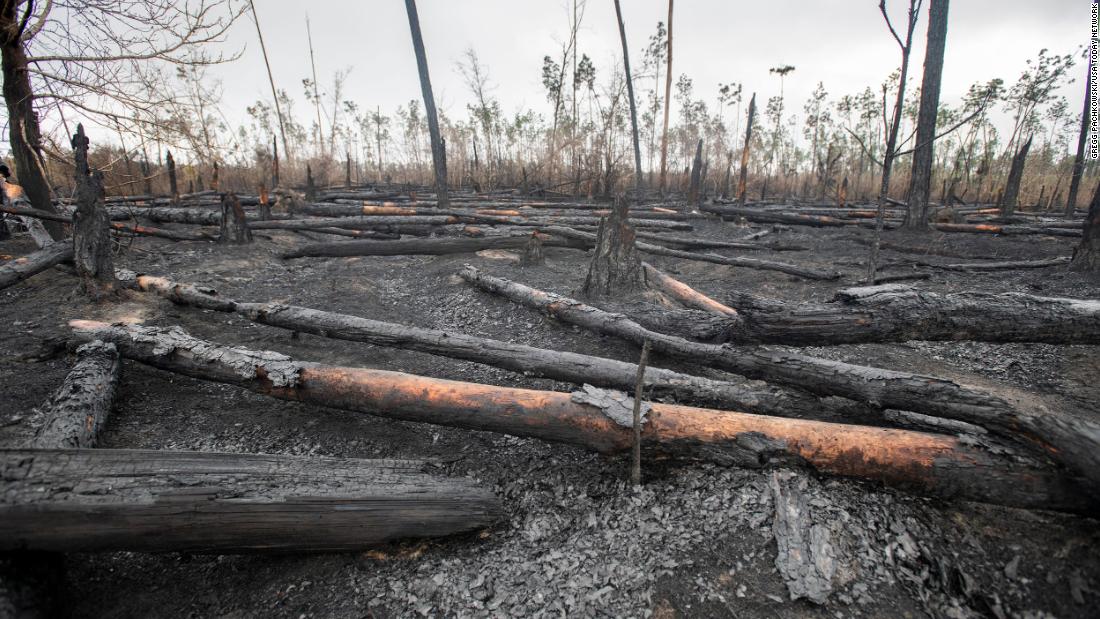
x: 91, y: 227
x: 532, y: 253
x: 173, y: 188
x: 616, y: 268
x: 234, y: 227
x: 311, y: 187
x: 265, y: 204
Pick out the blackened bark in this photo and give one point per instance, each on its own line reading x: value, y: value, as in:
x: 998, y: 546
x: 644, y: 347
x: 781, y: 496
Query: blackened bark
x: 439, y: 155
x: 1082, y: 138
x: 115, y: 499
x: 1086, y: 257
x: 79, y: 408
x: 615, y: 268
x: 234, y: 225
x: 173, y: 187
x: 597, y: 420
x: 1071, y: 440
x: 694, y: 191
x: 1008, y: 200
x: 920, y: 187
x: 742, y: 187
x: 91, y: 227
x: 633, y: 107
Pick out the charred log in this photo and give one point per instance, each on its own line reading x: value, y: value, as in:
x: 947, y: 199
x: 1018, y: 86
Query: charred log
x: 108, y: 499
x: 597, y: 419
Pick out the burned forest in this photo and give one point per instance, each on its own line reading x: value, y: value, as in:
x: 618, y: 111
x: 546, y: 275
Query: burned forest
x: 498, y: 309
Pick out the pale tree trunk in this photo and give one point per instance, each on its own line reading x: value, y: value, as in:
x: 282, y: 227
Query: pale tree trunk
x: 920, y: 186
x: 633, y: 108
x: 439, y: 157
x: 668, y: 94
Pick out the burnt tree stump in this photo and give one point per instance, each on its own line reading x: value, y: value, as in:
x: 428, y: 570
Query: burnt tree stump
x: 533, y: 254
x: 91, y: 226
x: 616, y: 268
x: 173, y: 188
x: 234, y: 225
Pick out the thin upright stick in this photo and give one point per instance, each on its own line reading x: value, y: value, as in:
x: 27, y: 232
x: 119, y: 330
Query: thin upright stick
x: 633, y: 108
x: 639, y: 388
x: 270, y: 79
x: 668, y: 93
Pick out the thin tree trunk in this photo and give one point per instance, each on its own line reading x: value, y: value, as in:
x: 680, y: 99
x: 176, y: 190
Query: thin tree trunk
x: 271, y: 82
x: 1082, y: 138
x: 633, y: 107
x: 742, y: 186
x: 920, y: 183
x: 439, y: 156
x: 892, y: 136
x: 668, y: 95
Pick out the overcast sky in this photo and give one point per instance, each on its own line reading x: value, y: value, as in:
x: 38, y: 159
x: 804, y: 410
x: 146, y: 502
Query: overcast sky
x: 843, y: 43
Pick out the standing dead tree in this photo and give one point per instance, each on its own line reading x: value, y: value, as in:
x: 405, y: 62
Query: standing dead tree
x: 895, y: 123
x: 91, y: 226
x: 742, y: 188
x: 1012, y: 185
x: 668, y: 95
x: 234, y: 225
x: 920, y: 184
x: 439, y: 154
x: 1086, y: 257
x: 633, y: 107
x: 1082, y: 138
x: 615, y: 268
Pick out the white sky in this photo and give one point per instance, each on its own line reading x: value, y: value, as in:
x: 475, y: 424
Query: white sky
x: 843, y: 43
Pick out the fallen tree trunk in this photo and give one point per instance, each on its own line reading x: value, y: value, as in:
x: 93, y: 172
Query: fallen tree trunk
x: 355, y: 223
x: 1010, y: 265
x: 108, y: 499
x: 703, y: 243
x: 1008, y: 230
x: 422, y: 247
x: 741, y: 394
x: 115, y: 226
x: 1073, y: 441
x: 79, y: 408
x: 764, y: 216
x: 685, y: 294
x: 19, y: 269
x: 598, y: 420
x: 751, y: 263
x: 898, y: 313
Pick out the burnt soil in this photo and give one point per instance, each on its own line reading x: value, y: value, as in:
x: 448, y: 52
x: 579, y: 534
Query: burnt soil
x: 576, y: 539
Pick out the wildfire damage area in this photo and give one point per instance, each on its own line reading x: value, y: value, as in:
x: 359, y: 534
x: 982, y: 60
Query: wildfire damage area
x: 324, y: 379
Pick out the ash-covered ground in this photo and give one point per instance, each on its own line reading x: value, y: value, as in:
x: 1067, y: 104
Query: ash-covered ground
x: 577, y: 540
